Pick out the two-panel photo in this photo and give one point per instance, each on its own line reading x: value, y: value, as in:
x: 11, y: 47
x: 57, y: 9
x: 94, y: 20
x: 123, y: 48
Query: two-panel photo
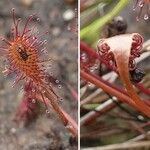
x: 74, y: 74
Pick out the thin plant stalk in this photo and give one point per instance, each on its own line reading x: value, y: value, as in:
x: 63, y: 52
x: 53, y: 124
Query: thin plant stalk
x: 66, y: 119
x: 110, y: 90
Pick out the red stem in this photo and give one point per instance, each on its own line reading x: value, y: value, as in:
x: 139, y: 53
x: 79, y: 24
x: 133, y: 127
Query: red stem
x: 68, y: 122
x: 89, y: 77
x: 141, y: 87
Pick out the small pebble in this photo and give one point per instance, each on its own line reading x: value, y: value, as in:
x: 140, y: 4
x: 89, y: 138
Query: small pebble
x: 68, y: 15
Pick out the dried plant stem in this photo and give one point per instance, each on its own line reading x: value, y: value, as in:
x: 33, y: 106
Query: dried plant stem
x: 133, y: 145
x: 139, y: 137
x: 100, y: 110
x: 68, y: 122
x: 137, y: 127
x: 90, y: 97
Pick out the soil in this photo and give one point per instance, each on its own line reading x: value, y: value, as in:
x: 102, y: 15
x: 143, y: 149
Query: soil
x: 45, y: 132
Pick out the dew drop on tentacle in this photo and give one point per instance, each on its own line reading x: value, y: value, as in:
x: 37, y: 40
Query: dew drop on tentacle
x: 60, y: 99
x: 137, y: 19
x: 141, y: 3
x: 33, y: 101
x: 43, y: 91
x: 92, y: 69
x: 59, y: 86
x: 34, y: 38
x: 84, y: 57
x: 57, y: 81
x: 68, y: 126
x: 89, y: 84
x: 38, y: 19
x: 141, y: 117
x: 33, y: 90
x: 68, y: 28
x: 146, y: 17
x: 47, y: 111
x: 96, y: 65
x: 51, y: 73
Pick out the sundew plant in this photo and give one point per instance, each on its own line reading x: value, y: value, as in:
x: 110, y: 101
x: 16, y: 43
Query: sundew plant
x: 24, y: 56
x: 114, y: 86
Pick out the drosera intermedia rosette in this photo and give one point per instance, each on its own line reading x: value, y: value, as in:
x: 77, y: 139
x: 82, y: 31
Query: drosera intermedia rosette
x: 24, y: 57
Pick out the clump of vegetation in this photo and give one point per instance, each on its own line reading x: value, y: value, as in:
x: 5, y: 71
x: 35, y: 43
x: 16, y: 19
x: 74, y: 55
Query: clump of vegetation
x: 108, y: 58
